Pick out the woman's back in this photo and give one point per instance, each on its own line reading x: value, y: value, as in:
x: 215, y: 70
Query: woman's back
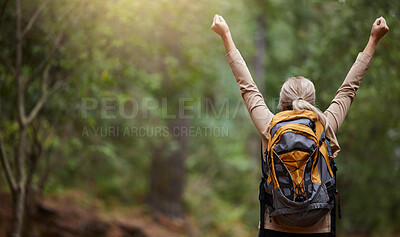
x: 334, y: 115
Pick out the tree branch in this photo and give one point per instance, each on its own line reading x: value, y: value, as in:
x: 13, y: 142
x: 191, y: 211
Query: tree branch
x: 33, y: 19
x: 48, y: 92
x: 7, y: 169
x: 3, y: 11
x: 47, y: 60
x: 39, y: 105
x: 18, y: 66
x: 56, y: 46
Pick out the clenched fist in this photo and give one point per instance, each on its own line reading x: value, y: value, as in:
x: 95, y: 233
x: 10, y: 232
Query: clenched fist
x: 379, y: 29
x: 220, y: 26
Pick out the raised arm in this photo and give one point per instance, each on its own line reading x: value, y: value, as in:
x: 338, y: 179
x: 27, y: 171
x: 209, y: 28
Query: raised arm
x: 259, y: 112
x: 220, y: 27
x: 340, y: 105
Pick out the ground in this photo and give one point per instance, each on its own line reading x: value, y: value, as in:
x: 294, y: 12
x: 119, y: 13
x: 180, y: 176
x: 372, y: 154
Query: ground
x: 66, y: 217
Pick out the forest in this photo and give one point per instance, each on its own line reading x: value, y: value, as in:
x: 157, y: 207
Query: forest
x: 123, y: 118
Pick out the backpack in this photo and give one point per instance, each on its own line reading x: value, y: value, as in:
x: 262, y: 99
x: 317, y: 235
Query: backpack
x: 298, y: 185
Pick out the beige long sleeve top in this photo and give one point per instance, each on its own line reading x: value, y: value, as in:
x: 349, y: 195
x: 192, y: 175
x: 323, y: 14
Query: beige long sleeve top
x: 261, y: 117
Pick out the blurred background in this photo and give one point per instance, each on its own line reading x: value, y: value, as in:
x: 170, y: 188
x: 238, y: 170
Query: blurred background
x: 122, y: 118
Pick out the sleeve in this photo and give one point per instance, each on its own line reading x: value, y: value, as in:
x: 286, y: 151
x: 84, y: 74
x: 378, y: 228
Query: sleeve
x: 258, y: 110
x: 340, y: 105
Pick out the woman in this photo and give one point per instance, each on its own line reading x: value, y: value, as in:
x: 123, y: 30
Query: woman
x: 298, y: 93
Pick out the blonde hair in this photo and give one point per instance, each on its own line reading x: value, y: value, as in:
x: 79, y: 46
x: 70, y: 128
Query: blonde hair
x: 298, y: 93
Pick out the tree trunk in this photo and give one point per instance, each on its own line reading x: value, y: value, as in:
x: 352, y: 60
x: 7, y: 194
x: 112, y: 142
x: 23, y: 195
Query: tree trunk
x: 15, y: 172
x: 259, y: 62
x: 20, y: 195
x: 168, y: 173
x: 19, y: 213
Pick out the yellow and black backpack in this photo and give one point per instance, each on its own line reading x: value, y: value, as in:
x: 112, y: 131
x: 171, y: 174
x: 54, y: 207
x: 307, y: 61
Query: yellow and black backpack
x: 298, y: 185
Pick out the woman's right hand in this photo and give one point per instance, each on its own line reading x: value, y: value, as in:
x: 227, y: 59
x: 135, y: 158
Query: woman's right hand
x: 220, y: 26
x: 379, y: 29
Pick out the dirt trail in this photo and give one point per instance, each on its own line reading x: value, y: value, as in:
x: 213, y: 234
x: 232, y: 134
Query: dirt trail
x: 64, y: 217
